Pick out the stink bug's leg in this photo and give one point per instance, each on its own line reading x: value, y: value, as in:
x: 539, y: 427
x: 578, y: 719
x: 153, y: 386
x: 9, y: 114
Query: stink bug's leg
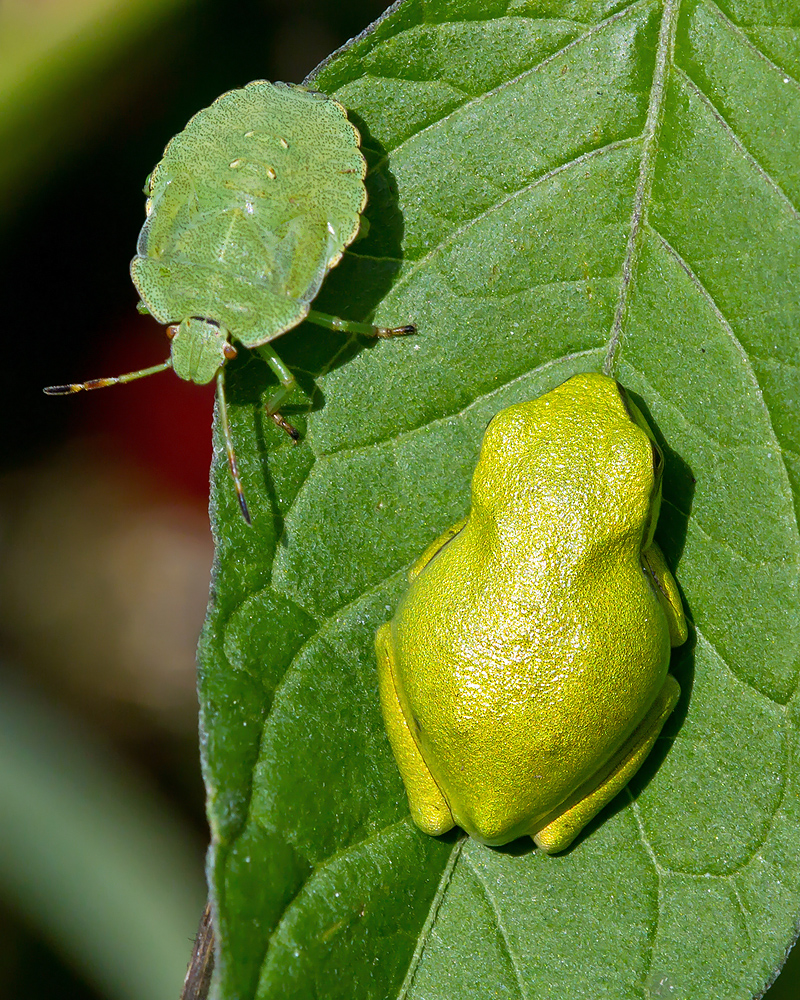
x: 288, y: 385
x: 101, y: 383
x: 226, y: 433
x: 350, y: 326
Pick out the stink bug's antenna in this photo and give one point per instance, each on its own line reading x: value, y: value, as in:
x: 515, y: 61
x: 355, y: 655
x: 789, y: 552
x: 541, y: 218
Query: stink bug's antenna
x: 226, y: 432
x: 229, y: 352
x: 102, y: 383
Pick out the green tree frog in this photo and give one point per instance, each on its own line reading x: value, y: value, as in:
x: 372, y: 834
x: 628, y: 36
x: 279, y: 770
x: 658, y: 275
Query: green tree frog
x: 524, y: 676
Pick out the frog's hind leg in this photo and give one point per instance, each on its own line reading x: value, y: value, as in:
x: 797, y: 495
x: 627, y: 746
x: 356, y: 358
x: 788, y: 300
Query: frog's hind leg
x: 601, y: 788
x: 667, y: 592
x: 428, y: 806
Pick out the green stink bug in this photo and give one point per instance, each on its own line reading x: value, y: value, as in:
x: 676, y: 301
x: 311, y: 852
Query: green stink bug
x: 250, y: 207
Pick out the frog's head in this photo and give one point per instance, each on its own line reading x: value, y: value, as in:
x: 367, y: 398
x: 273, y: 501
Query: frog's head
x: 199, y: 348
x: 580, y: 459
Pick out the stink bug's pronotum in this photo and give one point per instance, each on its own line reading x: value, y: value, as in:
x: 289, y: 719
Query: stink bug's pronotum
x: 251, y: 206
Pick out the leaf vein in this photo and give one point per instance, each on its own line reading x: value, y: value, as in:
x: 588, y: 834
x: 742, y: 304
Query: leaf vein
x: 430, y: 920
x: 743, y: 911
x: 775, y: 362
x: 659, y: 871
x: 785, y: 770
x: 343, y: 852
x: 457, y: 414
x: 726, y: 546
x: 502, y: 932
x: 742, y: 680
x: 619, y: 15
x: 655, y: 113
x: 728, y: 329
x: 511, y: 196
x: 745, y: 39
x: 738, y: 142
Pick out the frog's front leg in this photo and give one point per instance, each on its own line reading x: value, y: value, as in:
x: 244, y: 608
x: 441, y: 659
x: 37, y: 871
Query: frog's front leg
x: 435, y: 547
x: 429, y: 810
x: 601, y: 788
x: 667, y: 592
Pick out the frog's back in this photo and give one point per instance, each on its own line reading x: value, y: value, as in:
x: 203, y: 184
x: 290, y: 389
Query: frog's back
x: 555, y: 669
x: 543, y: 642
x: 249, y: 208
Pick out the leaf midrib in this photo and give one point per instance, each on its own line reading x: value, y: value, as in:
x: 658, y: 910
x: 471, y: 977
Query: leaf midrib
x: 647, y: 166
x: 644, y: 185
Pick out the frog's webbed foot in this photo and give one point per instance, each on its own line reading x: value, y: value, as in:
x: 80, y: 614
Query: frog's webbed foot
x: 601, y: 788
x: 429, y: 809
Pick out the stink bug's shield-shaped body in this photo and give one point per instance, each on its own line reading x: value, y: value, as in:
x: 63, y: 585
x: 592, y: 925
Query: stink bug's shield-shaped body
x: 250, y: 207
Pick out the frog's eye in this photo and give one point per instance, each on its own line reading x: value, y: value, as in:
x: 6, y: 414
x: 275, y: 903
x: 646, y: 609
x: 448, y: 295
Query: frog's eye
x: 658, y: 459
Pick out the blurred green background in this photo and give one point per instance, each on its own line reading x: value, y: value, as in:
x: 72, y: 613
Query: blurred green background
x: 105, y: 550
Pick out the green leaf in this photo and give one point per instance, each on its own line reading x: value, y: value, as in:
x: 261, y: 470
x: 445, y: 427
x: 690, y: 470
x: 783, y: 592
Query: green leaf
x: 554, y: 185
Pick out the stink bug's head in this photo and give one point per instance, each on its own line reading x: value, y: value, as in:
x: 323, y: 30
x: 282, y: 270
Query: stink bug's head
x: 199, y: 349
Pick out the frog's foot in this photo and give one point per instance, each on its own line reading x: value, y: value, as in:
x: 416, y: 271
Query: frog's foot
x: 428, y: 806
x: 603, y: 786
